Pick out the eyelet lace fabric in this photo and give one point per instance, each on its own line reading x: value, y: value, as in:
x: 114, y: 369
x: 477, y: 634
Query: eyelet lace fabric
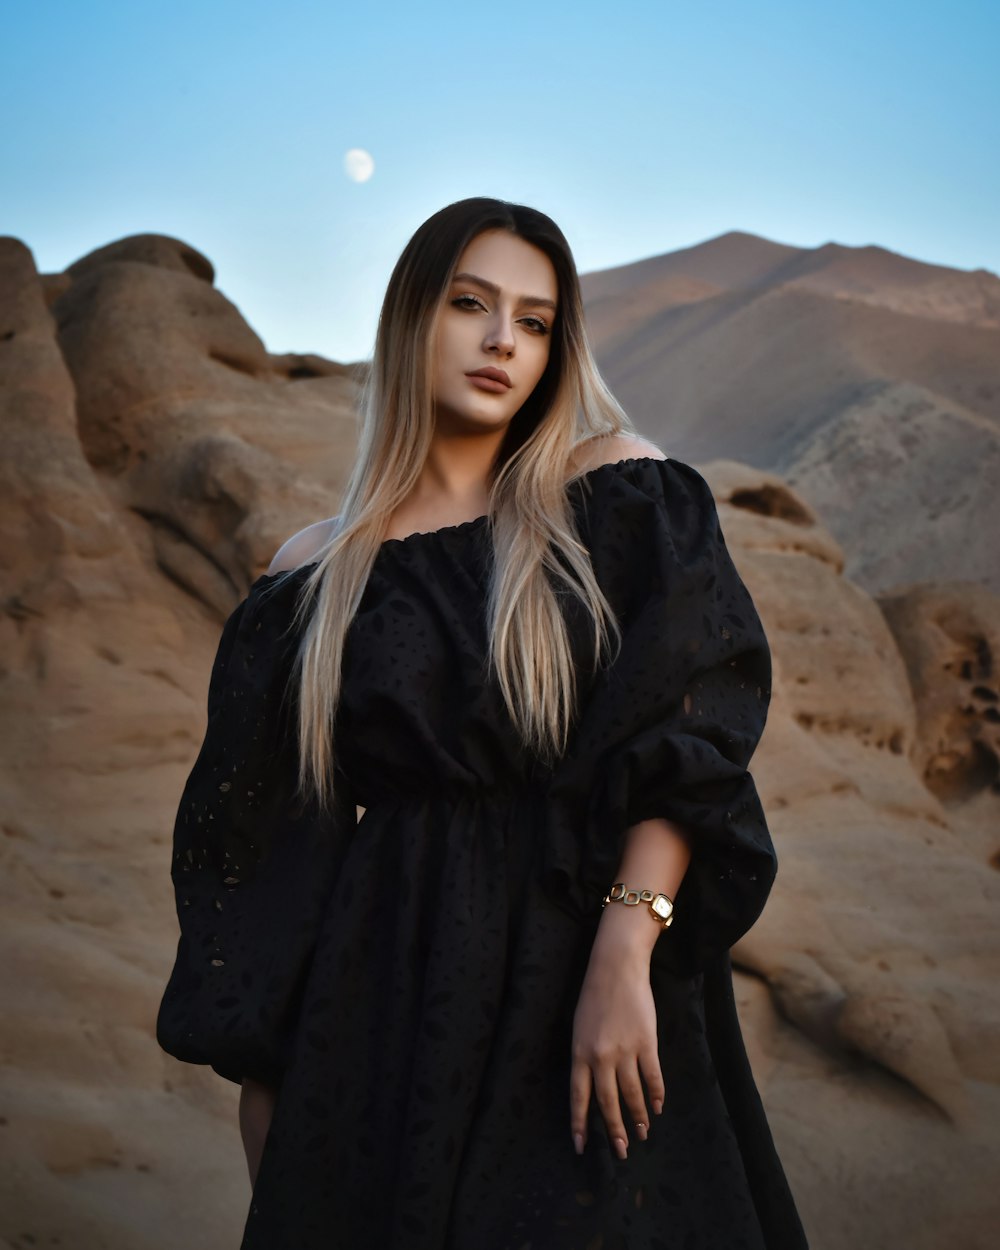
x: 408, y: 981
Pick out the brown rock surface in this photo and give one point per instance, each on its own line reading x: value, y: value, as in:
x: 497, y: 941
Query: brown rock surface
x: 141, y: 498
x: 157, y: 456
x: 879, y: 942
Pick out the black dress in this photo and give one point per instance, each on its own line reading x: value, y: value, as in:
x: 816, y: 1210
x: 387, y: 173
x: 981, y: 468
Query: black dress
x: 409, y: 980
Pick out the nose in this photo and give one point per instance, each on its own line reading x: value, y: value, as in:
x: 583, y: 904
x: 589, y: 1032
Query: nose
x: 500, y: 335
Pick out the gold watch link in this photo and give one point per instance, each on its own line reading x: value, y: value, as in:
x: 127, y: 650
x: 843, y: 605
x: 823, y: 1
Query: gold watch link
x: 661, y: 906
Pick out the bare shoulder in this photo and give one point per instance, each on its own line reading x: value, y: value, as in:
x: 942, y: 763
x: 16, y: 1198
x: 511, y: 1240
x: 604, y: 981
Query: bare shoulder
x: 610, y: 448
x: 304, y: 546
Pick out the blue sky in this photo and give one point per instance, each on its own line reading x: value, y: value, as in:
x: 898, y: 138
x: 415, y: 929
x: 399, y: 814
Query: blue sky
x: 639, y: 127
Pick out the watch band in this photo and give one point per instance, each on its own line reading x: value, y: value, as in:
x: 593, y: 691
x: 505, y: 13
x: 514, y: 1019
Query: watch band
x: 661, y: 906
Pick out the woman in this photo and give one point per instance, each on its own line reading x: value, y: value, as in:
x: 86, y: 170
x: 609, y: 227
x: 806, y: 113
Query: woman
x: 522, y: 648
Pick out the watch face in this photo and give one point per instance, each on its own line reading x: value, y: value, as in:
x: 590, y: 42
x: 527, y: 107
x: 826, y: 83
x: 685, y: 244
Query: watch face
x: 662, y: 906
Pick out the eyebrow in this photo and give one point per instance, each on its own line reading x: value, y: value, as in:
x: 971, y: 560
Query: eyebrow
x: 537, y: 300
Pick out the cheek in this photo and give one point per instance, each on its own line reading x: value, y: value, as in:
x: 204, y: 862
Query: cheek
x: 450, y: 349
x: 541, y: 358
x: 460, y: 338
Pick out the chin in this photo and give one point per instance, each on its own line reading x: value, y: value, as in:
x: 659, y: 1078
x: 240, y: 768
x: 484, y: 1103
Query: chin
x: 484, y: 416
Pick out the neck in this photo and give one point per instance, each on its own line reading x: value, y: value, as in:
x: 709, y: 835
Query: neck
x: 456, y: 473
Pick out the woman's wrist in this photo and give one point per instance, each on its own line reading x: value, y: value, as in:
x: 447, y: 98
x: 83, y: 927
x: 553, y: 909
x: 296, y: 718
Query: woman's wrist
x: 656, y: 857
x: 628, y: 933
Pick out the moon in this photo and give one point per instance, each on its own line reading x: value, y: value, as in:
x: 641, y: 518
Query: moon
x: 358, y: 164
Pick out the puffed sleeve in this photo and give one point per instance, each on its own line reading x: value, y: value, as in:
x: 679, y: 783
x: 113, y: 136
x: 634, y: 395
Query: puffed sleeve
x: 667, y: 729
x: 252, y: 864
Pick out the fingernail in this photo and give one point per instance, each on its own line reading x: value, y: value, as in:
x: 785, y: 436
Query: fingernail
x: 622, y: 1147
x: 642, y: 1131
x: 578, y: 1142
x: 658, y: 1105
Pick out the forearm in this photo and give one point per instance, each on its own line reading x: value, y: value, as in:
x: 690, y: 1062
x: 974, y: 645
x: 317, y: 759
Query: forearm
x: 256, y: 1109
x: 656, y: 857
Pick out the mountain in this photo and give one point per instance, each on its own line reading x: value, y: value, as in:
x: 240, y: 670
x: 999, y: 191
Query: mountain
x: 869, y: 381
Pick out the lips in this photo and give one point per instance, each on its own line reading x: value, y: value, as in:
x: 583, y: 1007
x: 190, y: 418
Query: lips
x: 497, y: 375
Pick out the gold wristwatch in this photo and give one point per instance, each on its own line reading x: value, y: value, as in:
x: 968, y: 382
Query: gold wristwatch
x: 661, y: 906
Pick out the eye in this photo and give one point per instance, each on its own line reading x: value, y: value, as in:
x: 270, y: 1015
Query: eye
x: 465, y: 297
x: 537, y: 324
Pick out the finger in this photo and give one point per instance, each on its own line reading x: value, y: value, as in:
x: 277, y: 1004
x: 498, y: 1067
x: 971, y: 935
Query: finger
x: 606, y: 1091
x: 580, y: 1082
x: 631, y: 1092
x: 649, y: 1065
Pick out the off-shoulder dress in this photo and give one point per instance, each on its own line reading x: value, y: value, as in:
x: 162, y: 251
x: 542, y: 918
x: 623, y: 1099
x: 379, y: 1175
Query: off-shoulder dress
x: 408, y: 980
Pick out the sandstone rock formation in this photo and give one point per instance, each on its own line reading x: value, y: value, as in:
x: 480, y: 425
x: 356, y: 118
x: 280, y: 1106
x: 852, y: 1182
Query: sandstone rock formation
x: 157, y: 456
x: 142, y: 494
x: 879, y: 942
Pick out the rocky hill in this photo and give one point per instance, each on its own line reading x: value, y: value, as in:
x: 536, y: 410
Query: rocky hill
x: 157, y: 455
x: 869, y: 381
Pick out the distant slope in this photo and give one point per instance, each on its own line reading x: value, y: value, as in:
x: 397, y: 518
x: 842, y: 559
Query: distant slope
x: 869, y: 380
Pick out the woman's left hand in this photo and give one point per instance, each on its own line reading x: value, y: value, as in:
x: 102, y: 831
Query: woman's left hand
x: 614, y: 1034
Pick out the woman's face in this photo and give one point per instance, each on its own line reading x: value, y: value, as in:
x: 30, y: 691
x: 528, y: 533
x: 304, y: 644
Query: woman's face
x: 500, y: 315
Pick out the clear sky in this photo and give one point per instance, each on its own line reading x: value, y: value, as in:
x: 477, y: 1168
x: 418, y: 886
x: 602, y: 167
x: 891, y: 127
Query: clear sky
x: 640, y: 127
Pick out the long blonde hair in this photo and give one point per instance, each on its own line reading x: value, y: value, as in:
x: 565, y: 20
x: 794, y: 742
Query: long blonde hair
x: 531, y: 520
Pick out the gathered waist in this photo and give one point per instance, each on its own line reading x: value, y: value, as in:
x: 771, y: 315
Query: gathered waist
x: 456, y: 793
